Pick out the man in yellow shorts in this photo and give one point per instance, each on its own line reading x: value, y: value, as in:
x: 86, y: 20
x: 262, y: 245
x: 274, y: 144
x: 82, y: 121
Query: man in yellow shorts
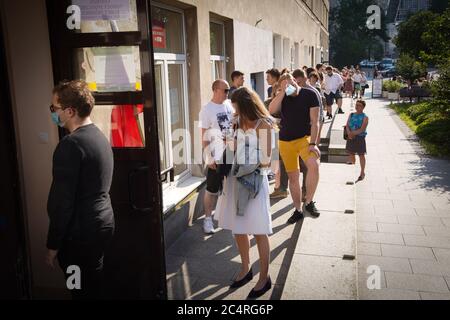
x: 300, y: 110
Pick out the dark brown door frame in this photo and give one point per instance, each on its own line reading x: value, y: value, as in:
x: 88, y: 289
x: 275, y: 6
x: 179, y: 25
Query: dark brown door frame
x: 14, y: 265
x: 136, y: 263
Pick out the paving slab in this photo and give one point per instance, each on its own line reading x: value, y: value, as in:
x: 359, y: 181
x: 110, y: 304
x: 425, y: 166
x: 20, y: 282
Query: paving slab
x: 416, y: 282
x: 320, y: 278
x: 397, y: 251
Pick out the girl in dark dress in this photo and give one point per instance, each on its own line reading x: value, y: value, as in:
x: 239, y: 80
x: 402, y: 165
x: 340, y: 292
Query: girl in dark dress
x: 356, y: 129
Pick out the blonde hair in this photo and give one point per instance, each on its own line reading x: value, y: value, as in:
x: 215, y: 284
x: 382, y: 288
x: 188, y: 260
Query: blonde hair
x: 250, y: 106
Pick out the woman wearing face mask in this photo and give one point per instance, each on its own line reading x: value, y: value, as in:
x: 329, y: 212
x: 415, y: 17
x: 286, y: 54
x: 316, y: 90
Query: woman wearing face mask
x: 357, y: 131
x: 244, y: 207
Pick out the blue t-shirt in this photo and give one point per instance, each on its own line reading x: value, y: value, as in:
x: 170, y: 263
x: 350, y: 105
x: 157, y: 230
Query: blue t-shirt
x: 356, y: 122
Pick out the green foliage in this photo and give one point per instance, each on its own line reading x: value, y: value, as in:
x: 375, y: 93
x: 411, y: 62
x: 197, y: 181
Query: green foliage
x: 441, y: 87
x: 392, y: 86
x: 409, y: 38
x: 436, y: 131
x: 410, y: 69
x: 418, y: 109
x: 350, y: 39
x: 430, y: 125
x: 439, y: 6
x: 436, y: 39
x: 425, y: 36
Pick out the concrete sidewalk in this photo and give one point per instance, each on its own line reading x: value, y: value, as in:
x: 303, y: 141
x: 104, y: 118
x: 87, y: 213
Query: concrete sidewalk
x: 403, y: 213
x: 306, y: 258
x: 401, y: 225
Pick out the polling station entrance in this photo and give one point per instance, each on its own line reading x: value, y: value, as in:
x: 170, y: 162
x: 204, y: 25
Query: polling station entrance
x: 108, y: 44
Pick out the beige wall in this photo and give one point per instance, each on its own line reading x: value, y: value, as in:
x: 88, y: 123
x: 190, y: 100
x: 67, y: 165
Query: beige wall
x: 290, y: 19
x: 30, y: 70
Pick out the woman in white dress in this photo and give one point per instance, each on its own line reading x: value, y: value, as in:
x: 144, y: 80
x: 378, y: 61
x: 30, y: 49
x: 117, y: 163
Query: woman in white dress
x: 254, y: 122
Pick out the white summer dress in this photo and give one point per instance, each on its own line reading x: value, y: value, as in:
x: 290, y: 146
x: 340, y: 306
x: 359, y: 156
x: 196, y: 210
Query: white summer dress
x: 257, y: 219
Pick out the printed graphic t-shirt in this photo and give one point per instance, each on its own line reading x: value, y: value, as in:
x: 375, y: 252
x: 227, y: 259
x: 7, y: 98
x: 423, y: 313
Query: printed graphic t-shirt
x: 217, y: 119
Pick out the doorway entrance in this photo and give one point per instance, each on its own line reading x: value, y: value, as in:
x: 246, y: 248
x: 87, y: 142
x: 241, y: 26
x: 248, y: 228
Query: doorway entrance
x: 112, y: 51
x: 14, y: 271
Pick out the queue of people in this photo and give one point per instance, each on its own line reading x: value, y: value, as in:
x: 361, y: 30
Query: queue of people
x: 243, y: 140
x: 280, y: 135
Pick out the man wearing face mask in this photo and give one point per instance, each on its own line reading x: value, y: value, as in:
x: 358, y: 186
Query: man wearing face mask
x: 300, y: 109
x: 79, y: 205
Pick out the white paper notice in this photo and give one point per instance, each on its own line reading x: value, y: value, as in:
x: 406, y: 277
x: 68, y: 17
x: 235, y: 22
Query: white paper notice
x: 377, y: 87
x: 95, y: 10
x: 115, y: 71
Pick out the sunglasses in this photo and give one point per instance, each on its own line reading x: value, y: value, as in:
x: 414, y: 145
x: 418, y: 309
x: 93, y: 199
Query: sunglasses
x: 53, y: 108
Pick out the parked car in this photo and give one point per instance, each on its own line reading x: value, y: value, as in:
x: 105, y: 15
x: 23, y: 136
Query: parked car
x: 389, y: 72
x: 386, y: 63
x: 368, y: 64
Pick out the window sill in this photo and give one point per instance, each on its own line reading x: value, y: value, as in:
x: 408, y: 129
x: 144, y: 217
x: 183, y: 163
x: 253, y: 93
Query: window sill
x: 174, y: 195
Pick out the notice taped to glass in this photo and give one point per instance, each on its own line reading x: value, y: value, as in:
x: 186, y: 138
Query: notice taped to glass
x: 95, y: 10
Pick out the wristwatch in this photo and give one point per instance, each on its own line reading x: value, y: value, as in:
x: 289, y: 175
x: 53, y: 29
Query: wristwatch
x: 313, y: 144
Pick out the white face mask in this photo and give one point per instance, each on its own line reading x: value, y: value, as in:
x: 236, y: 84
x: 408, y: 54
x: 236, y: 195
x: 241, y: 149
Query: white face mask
x: 291, y: 90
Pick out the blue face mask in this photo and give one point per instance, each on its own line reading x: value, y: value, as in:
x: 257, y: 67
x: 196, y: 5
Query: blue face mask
x: 291, y: 90
x: 56, y: 120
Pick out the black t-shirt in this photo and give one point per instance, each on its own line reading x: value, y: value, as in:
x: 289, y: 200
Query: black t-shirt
x: 79, y: 205
x: 295, y: 115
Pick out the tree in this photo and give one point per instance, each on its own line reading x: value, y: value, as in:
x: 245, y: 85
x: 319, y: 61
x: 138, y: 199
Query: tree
x: 410, y: 69
x: 350, y: 39
x: 436, y: 39
x: 441, y: 89
x: 439, y: 6
x: 409, y: 39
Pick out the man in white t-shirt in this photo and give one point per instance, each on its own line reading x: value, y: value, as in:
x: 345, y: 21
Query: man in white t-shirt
x: 332, y: 86
x: 357, y: 80
x: 216, y: 125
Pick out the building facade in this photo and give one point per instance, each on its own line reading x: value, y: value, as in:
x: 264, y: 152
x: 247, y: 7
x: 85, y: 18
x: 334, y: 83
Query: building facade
x: 397, y: 12
x: 153, y: 61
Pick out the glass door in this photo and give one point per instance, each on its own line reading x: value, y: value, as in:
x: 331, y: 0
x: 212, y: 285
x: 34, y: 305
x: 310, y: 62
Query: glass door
x: 112, y: 51
x: 178, y: 123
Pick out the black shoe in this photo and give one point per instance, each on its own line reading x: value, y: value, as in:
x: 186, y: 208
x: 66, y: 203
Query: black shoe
x: 243, y: 281
x: 296, y: 217
x: 311, y: 209
x: 256, y: 294
x: 340, y: 111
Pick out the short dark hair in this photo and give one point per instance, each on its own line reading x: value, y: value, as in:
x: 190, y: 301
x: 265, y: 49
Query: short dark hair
x: 298, y: 73
x: 314, y: 74
x: 309, y: 71
x: 318, y: 66
x: 76, y: 95
x: 236, y: 74
x: 329, y: 68
x: 275, y: 73
x: 362, y: 102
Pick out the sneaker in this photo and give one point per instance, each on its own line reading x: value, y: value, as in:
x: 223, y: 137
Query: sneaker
x: 296, y: 217
x: 279, y: 194
x: 341, y: 111
x: 208, y: 226
x: 311, y: 209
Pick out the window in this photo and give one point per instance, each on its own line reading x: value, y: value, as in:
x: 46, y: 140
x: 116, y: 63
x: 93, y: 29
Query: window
x: 218, y: 59
x: 171, y: 88
x: 167, y: 31
x: 115, y: 16
x: 109, y: 69
x: 122, y: 124
x: 278, y: 51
